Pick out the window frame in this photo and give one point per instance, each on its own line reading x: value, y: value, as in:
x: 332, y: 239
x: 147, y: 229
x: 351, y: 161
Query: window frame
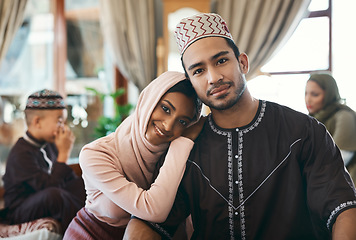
x: 315, y: 14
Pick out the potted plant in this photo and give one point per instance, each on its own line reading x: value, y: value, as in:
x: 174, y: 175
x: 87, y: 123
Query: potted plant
x: 106, y: 124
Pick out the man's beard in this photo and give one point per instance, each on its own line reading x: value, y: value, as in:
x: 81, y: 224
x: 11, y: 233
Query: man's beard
x: 226, y: 105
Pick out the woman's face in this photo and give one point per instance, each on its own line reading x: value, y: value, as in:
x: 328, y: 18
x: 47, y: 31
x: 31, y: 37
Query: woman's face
x: 314, y: 97
x: 170, y: 117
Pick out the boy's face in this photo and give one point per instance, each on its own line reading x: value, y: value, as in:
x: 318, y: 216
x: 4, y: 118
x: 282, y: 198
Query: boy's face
x: 50, y: 123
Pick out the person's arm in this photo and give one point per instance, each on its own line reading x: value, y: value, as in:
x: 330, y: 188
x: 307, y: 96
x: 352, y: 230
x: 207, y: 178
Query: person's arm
x: 329, y: 186
x: 100, y: 168
x: 345, y: 128
x: 138, y: 229
x: 172, y: 228
x: 344, y: 227
x: 64, y: 142
x: 28, y: 167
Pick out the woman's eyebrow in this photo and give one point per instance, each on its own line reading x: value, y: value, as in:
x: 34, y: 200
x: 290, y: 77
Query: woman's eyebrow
x: 169, y: 103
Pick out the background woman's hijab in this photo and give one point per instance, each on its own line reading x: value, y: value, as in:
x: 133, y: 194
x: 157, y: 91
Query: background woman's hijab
x: 332, y: 100
x: 137, y: 156
x: 328, y: 84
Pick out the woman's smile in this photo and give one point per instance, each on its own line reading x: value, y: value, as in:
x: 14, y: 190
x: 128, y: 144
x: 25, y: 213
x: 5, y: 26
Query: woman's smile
x: 161, y: 133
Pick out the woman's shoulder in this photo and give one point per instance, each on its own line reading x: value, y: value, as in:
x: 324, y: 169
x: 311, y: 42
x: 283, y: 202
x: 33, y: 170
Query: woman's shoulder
x: 103, y: 144
x: 345, y: 114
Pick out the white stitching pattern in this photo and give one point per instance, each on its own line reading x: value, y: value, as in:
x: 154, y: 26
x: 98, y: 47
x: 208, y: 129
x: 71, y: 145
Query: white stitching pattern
x: 230, y: 175
x: 338, y: 209
x: 241, y: 207
x: 240, y: 184
x: 231, y: 207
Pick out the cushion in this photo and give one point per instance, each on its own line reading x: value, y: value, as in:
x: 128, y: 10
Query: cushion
x: 50, y: 224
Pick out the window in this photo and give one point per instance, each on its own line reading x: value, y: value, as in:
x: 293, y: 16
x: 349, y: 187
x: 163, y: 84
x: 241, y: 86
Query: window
x: 84, y: 67
x: 28, y: 63
x: 312, y: 47
x: 30, y: 66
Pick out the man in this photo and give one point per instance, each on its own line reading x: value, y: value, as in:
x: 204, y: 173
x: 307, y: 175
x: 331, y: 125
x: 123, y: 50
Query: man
x: 38, y: 182
x: 258, y: 170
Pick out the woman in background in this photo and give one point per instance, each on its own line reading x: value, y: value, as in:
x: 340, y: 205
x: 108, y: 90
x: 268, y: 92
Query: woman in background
x: 323, y: 102
x: 119, y: 170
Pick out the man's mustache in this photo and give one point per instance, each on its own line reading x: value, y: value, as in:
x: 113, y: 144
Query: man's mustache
x: 217, y: 85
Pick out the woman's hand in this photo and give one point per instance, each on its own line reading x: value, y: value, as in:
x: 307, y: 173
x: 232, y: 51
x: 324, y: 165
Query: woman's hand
x: 193, y: 131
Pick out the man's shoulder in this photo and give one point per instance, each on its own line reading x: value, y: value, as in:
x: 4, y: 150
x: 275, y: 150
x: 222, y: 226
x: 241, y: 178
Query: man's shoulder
x: 287, y: 112
x: 291, y: 120
x: 281, y: 107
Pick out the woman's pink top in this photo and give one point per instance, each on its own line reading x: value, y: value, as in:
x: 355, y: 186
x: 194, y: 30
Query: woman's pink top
x: 112, y: 198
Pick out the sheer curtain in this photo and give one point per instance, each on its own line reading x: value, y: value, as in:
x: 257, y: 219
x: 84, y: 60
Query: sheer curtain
x: 260, y: 27
x: 11, y: 17
x: 128, y: 27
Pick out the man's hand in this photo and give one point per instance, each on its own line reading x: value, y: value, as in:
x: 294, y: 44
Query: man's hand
x: 138, y: 230
x: 64, y: 140
x: 193, y: 131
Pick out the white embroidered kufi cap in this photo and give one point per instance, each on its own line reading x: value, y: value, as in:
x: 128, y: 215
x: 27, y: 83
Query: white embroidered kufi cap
x: 202, y: 25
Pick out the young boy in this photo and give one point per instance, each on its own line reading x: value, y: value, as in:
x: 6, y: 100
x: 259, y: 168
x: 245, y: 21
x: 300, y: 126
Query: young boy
x: 38, y: 183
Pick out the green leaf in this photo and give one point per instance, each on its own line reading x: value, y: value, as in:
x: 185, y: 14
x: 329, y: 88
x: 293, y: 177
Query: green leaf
x: 107, y: 125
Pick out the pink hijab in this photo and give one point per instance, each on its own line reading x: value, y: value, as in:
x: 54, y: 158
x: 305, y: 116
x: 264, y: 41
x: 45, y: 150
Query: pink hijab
x: 137, y: 156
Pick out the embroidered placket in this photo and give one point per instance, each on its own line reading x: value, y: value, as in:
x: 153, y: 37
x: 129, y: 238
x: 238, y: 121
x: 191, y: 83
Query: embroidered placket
x: 47, y: 160
x: 240, y: 209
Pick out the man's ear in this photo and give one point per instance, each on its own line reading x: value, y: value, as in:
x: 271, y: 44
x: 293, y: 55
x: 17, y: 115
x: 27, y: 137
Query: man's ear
x: 243, y: 61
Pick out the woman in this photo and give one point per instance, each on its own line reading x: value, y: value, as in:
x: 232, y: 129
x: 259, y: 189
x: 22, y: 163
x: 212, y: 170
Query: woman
x: 118, y: 170
x: 324, y: 103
